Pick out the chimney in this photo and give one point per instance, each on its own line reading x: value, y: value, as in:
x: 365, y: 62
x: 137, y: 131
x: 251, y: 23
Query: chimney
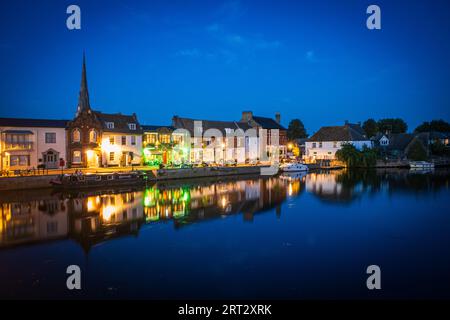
x: 174, y: 121
x: 247, y: 116
x: 278, y: 117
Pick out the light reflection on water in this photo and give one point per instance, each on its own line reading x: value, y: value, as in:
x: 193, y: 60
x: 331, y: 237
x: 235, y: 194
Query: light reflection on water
x: 91, y: 218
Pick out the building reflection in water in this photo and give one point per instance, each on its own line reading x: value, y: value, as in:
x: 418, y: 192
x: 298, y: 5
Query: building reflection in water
x: 94, y: 217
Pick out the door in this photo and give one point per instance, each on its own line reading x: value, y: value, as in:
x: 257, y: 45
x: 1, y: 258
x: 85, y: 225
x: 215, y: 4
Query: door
x: 51, y: 159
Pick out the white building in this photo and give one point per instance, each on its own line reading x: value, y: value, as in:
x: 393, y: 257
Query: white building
x: 325, y: 142
x: 32, y: 143
x: 219, y: 141
x: 121, y: 139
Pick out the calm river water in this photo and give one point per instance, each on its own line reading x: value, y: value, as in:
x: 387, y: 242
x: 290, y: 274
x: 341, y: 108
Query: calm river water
x: 288, y: 237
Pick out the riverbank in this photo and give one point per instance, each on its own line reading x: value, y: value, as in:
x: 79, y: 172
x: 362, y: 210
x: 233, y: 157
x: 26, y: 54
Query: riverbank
x: 43, y: 181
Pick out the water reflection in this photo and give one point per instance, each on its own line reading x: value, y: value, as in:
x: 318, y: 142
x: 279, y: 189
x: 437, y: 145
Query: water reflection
x: 96, y: 216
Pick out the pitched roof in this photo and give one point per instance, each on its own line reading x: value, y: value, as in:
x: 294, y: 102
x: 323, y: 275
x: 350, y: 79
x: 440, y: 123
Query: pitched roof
x: 39, y: 123
x: 188, y: 124
x: 268, y: 123
x: 338, y: 133
x: 155, y: 128
x: 121, y: 122
x: 399, y: 141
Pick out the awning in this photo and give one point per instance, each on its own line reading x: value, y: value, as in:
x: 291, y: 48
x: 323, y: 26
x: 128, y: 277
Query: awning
x: 18, y: 131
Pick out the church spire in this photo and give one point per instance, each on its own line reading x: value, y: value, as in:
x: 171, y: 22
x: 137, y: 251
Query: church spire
x: 83, y: 98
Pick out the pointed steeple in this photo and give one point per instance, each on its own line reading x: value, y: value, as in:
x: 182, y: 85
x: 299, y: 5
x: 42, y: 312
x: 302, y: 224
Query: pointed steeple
x: 83, y: 98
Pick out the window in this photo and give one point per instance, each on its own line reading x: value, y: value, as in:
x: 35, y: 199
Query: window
x: 384, y: 142
x: 124, y: 140
x: 111, y: 140
x: 76, y: 156
x: 314, y: 145
x: 111, y: 156
x: 178, y: 138
x: 109, y: 125
x: 93, y: 136
x: 151, y: 138
x: 335, y: 144
x: 76, y: 135
x: 320, y: 144
x: 132, y: 126
x: 50, y: 137
x: 164, y: 138
x: 19, y: 160
x: 133, y: 140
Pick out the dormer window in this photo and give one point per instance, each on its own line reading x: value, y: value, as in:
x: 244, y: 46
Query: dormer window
x: 132, y: 126
x: 110, y: 125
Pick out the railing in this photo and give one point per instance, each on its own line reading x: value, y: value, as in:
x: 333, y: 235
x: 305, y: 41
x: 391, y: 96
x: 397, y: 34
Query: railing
x: 27, y: 145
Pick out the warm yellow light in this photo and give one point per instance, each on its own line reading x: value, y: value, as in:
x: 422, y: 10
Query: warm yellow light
x: 290, y: 189
x: 90, y: 205
x: 90, y: 155
x: 290, y: 146
x: 224, y: 202
x: 107, y: 212
x: 223, y: 145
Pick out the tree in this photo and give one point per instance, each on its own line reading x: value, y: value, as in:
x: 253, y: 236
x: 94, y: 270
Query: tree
x: 392, y: 125
x: 296, y: 130
x: 354, y: 158
x: 370, y: 127
x: 417, y: 152
x: 434, y: 125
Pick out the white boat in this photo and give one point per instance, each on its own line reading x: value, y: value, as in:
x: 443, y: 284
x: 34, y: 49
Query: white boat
x: 293, y: 167
x: 421, y: 165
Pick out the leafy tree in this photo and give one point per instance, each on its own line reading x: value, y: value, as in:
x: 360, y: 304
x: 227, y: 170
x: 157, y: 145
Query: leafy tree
x: 434, y: 125
x: 392, y: 125
x: 296, y: 130
x: 352, y: 157
x: 438, y: 148
x: 417, y: 152
x: 370, y: 127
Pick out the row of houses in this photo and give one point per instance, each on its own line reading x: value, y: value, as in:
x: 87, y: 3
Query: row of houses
x: 95, y: 139
x: 325, y: 142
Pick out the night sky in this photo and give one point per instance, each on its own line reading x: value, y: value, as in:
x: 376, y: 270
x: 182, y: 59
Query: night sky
x: 313, y: 60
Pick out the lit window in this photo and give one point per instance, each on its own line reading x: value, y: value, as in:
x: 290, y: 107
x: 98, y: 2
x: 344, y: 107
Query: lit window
x: 111, y: 140
x: 50, y: 137
x: 111, y: 156
x: 133, y: 140
x: 124, y: 140
x: 164, y: 138
x: 109, y: 125
x: 151, y: 138
x: 132, y: 126
x: 76, y: 135
x: 93, y: 136
x: 76, y: 156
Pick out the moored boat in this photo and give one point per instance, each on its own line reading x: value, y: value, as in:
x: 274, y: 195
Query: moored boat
x: 421, y: 165
x: 97, y: 180
x: 293, y: 167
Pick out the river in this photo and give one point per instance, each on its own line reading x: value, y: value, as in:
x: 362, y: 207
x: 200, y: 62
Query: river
x: 305, y: 236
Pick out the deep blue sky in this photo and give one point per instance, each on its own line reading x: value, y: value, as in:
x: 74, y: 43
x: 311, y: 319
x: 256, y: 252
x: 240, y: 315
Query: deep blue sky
x: 313, y: 60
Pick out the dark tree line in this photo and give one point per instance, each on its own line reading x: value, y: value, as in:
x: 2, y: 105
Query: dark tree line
x: 397, y: 125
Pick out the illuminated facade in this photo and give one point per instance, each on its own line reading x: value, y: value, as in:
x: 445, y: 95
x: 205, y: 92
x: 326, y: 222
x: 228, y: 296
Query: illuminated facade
x: 97, y: 139
x: 32, y: 143
x: 161, y: 145
x: 218, y: 142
